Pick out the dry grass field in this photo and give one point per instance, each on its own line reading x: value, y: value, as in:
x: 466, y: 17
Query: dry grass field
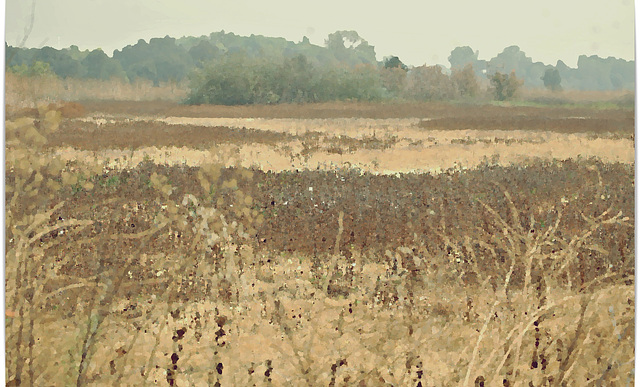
x: 414, y: 138
x: 335, y: 244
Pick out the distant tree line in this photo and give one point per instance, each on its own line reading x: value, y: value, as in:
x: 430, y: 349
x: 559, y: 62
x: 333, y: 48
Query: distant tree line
x: 238, y: 79
x: 66, y: 63
x: 166, y: 59
x: 592, y: 73
x: 226, y: 68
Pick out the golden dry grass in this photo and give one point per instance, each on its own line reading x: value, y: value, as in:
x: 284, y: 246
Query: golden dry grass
x: 152, y: 275
x: 277, y: 144
x: 28, y: 92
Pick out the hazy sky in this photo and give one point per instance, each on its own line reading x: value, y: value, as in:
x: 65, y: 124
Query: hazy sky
x: 418, y: 32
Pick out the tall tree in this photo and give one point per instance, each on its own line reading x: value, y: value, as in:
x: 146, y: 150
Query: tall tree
x: 349, y: 48
x: 62, y: 64
x: 99, y: 66
x: 552, y: 79
x: 392, y: 62
x: 505, y: 86
x: 429, y: 83
x: 514, y: 59
x: 463, y: 56
x: 203, y: 52
x: 394, y: 80
x: 465, y: 81
x: 160, y: 60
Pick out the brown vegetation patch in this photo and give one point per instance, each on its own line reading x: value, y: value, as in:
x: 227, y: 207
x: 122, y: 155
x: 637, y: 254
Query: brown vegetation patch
x: 427, y: 213
x: 66, y: 109
x: 620, y: 122
x: 71, y: 110
x: 136, y: 134
x: 133, y: 134
x: 348, y: 110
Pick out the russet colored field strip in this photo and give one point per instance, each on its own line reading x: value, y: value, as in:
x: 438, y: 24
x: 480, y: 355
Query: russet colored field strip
x: 413, y: 150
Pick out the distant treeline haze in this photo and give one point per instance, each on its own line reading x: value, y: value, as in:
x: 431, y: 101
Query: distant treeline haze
x: 225, y: 68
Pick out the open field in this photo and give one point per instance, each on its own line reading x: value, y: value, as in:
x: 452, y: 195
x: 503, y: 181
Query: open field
x: 288, y: 245
x: 362, y: 109
x: 414, y: 137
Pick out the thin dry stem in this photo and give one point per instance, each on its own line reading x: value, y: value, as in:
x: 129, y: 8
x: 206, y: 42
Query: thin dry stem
x: 336, y: 252
x: 476, y: 348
